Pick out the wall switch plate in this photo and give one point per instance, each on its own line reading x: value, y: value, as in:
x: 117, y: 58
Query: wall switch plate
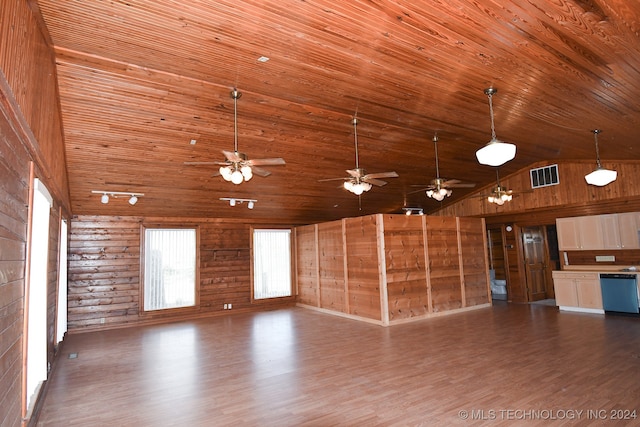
x: 605, y: 258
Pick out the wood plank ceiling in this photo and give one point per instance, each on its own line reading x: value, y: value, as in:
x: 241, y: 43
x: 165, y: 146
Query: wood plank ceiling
x: 140, y: 79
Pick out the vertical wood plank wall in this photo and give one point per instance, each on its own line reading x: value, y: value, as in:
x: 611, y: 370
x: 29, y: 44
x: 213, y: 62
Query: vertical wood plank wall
x: 452, y: 269
x: 307, y: 266
x: 104, y: 271
x: 331, y: 266
x: 405, y: 265
x: 474, y: 261
x: 444, y: 263
x: 362, y: 268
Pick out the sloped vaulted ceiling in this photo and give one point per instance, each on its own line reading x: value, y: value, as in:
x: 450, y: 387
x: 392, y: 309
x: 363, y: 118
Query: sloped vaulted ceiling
x: 140, y: 79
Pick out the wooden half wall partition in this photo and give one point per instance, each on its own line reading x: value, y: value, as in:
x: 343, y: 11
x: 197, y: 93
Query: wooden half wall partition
x: 388, y: 269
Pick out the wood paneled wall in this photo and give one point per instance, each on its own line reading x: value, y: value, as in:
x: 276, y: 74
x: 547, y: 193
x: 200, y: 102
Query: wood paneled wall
x: 104, y: 271
x: 30, y: 131
x: 397, y: 268
x: 571, y: 197
x: 362, y: 268
x: 27, y: 62
x: 14, y: 194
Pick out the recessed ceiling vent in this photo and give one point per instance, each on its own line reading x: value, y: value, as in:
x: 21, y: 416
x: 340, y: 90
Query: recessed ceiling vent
x: 545, y: 176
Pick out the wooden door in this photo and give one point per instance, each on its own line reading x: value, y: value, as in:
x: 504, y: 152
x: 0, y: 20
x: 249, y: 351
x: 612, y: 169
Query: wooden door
x: 535, y: 262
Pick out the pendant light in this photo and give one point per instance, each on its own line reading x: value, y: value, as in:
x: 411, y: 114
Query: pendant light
x: 496, y: 152
x: 600, y: 176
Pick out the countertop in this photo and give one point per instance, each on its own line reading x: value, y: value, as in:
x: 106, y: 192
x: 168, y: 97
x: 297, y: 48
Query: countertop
x: 603, y: 268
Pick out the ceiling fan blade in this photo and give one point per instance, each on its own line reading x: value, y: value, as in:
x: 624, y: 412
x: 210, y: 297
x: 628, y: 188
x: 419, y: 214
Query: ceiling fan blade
x: 449, y: 182
x: 232, y: 156
x: 333, y: 179
x: 266, y: 162
x: 381, y: 175
x: 205, y: 163
x: 356, y: 173
x: 430, y: 187
x: 260, y: 171
x: 461, y: 185
x: 374, y: 181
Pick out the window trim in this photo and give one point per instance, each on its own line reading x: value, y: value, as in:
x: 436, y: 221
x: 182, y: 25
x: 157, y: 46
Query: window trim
x: 176, y: 310
x: 292, y: 266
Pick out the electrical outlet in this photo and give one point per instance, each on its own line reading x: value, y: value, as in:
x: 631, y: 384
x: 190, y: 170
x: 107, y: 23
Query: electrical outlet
x: 226, y: 306
x: 102, y: 320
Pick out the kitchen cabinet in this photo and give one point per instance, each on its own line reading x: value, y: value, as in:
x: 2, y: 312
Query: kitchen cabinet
x: 596, y: 232
x: 579, y: 233
x: 629, y: 229
x: 578, y: 291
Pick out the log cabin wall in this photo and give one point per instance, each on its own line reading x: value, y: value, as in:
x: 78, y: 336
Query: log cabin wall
x: 30, y: 133
x: 398, y: 268
x: 104, y: 271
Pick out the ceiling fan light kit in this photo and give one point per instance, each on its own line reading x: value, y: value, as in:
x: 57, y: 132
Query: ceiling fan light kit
x: 600, y: 176
x: 496, y: 152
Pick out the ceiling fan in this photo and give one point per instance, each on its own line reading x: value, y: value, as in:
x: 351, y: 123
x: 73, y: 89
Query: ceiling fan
x: 441, y: 187
x: 237, y: 167
x: 499, y: 194
x: 359, y: 181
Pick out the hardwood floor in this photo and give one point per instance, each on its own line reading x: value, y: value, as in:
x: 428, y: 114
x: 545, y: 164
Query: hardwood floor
x: 506, y: 365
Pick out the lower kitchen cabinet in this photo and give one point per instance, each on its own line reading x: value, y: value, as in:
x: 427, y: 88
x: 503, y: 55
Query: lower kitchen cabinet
x: 578, y: 291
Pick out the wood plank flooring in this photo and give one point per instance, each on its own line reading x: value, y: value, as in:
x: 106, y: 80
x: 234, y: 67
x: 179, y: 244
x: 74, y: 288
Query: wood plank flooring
x: 509, y: 365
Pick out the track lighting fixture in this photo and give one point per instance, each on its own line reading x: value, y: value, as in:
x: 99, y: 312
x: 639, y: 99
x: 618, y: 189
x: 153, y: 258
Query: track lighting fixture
x: 133, y: 197
x: 600, y: 176
x: 413, y: 211
x: 496, y: 152
x: 235, y: 201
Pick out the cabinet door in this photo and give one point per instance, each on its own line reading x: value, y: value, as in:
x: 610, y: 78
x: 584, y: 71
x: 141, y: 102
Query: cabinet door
x: 590, y: 232
x: 566, y: 295
x: 589, y: 293
x: 629, y: 228
x: 568, y: 234
x: 610, y: 231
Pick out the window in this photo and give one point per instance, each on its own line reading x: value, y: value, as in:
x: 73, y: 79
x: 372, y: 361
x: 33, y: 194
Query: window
x: 271, y: 263
x: 37, y: 291
x: 169, y: 268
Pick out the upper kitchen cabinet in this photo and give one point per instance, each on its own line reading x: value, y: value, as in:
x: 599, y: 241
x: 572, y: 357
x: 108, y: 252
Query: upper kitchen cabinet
x: 613, y: 231
x: 579, y: 233
x: 629, y: 228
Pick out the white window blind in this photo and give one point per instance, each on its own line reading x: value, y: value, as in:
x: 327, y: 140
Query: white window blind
x: 271, y: 263
x: 169, y: 268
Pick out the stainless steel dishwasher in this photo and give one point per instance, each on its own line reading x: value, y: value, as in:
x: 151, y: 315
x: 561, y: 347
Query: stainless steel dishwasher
x: 619, y: 293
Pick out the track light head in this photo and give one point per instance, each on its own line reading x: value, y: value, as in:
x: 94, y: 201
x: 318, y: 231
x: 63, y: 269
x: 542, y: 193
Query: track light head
x: 105, y: 198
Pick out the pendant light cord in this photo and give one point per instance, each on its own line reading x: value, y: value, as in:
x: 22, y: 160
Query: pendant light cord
x: 235, y: 95
x: 493, y: 128
x: 355, y: 134
x: 595, y: 135
x: 435, y: 143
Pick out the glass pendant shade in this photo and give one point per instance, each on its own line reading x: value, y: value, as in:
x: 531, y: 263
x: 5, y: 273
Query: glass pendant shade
x: 496, y: 153
x: 601, y: 177
x: 236, y: 177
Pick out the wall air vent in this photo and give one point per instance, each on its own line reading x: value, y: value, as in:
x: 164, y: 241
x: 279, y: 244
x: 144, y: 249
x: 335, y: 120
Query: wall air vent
x: 544, y: 177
